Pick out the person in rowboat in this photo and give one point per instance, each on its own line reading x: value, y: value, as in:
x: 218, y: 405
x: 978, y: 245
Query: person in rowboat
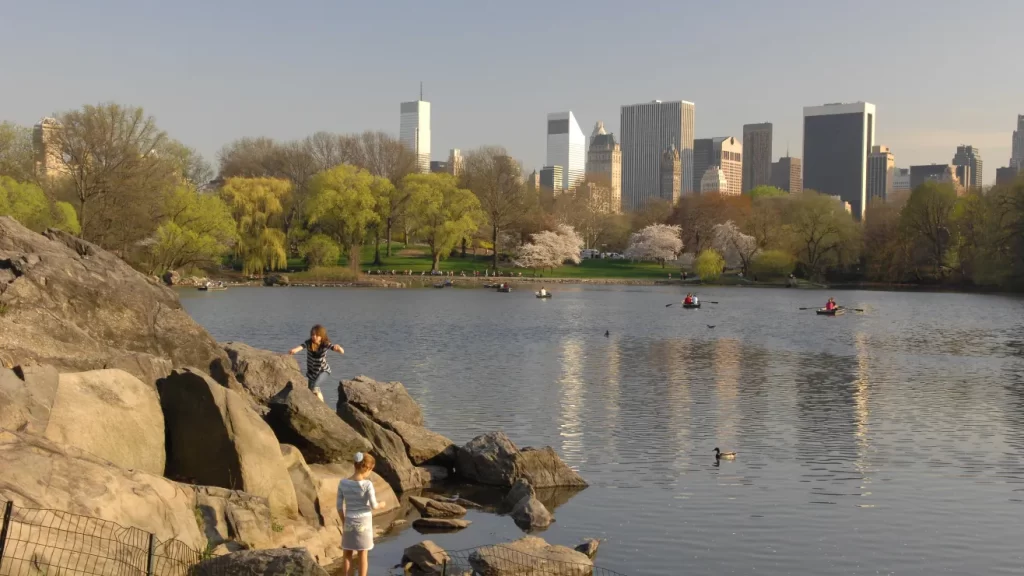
x: 543, y: 291
x: 831, y: 304
x: 688, y: 300
x: 695, y: 300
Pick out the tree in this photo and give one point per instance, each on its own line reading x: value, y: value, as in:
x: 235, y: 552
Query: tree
x: 709, y: 265
x: 443, y: 213
x: 319, y: 250
x: 16, y: 156
x: 697, y: 215
x: 735, y: 246
x: 658, y: 242
x: 927, y: 217
x: 773, y: 264
x: 342, y: 204
x: 190, y: 165
x: 584, y: 208
x: 655, y: 211
x: 823, y: 232
x: 551, y: 249
x: 887, y: 251
x: 114, y: 172
x: 27, y: 203
x: 765, y: 222
x: 768, y: 192
x: 198, y: 230
x: 496, y: 180
x: 257, y: 205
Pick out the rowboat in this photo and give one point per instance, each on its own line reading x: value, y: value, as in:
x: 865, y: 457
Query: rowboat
x: 691, y: 306
x: 212, y: 288
x: 832, y: 312
x: 505, y: 289
x: 539, y: 295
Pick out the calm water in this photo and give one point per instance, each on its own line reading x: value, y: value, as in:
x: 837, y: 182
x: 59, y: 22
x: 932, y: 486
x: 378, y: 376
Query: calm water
x: 888, y: 442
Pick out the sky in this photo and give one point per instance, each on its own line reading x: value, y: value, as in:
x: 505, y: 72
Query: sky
x: 941, y: 73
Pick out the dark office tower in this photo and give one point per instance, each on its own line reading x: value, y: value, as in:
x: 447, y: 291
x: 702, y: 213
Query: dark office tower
x: 837, y: 141
x: 787, y: 175
x: 968, y: 163
x: 757, y: 155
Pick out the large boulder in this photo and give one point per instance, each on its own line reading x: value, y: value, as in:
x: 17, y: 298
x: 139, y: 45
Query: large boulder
x: 38, y: 473
x: 425, y: 448
x: 305, y: 484
x: 233, y: 518
x: 392, y: 462
x: 531, y: 514
x: 75, y: 306
x: 385, y: 402
x: 529, y: 555
x: 299, y: 418
x: 290, y: 561
x: 520, y: 489
x: 429, y: 508
x: 494, y: 460
x: 261, y: 372
x: 26, y: 397
x: 215, y: 438
x: 110, y: 414
x: 427, y: 559
x: 439, y: 525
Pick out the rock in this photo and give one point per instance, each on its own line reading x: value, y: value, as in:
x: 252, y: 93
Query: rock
x: 529, y: 555
x: 434, y: 509
x: 290, y: 561
x: 520, y: 489
x: 385, y: 402
x: 70, y: 304
x: 215, y: 438
x: 261, y: 372
x: 305, y: 485
x: 276, y: 280
x: 171, y: 277
x: 392, y: 463
x: 432, y: 474
x: 234, y: 518
x: 39, y: 473
x: 425, y: 448
x: 427, y: 558
x: 110, y: 414
x: 425, y: 525
x: 589, y: 547
x: 26, y: 398
x: 299, y: 418
x: 494, y: 460
x: 530, y: 514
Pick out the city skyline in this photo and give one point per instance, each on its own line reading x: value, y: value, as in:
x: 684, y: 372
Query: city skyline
x: 239, y: 87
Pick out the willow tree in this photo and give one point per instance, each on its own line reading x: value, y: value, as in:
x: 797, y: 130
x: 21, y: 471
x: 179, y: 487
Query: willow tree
x: 444, y: 214
x: 257, y: 205
x: 342, y: 204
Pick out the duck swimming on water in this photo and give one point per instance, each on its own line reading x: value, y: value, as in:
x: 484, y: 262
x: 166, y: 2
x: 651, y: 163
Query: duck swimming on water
x: 724, y: 455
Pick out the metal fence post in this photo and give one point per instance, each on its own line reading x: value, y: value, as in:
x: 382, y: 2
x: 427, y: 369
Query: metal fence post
x: 8, y: 509
x: 152, y: 553
x: 444, y: 568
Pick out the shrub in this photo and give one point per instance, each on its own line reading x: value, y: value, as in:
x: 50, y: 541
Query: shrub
x: 773, y: 264
x: 319, y: 251
x: 709, y: 264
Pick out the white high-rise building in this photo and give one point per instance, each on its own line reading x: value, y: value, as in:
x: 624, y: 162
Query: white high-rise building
x: 415, y: 131
x: 567, y: 147
x: 646, y: 131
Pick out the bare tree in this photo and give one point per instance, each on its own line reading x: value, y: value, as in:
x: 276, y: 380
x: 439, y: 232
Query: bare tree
x: 496, y: 179
x: 16, y: 155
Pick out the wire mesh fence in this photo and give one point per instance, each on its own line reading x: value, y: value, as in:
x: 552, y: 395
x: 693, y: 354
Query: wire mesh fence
x: 502, y: 560
x: 39, y: 541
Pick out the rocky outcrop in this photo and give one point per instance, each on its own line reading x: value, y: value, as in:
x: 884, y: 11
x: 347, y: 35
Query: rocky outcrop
x: 520, y: 489
x: 299, y: 418
x: 234, y: 519
x: 262, y: 373
x: 385, y: 402
x: 306, y: 486
x: 72, y: 305
x: 392, y: 462
x: 529, y: 555
x: 425, y: 448
x: 215, y: 438
x: 436, y: 525
x: 26, y: 398
x: 494, y: 460
x: 588, y: 548
x: 110, y: 414
x: 427, y: 559
x: 276, y: 280
x: 530, y: 514
x: 38, y: 473
x: 290, y: 561
x: 429, y: 508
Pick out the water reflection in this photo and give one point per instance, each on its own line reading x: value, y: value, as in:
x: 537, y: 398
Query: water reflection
x: 571, y: 385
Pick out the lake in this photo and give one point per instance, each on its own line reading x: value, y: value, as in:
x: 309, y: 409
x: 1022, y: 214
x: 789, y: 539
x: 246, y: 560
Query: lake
x: 884, y: 442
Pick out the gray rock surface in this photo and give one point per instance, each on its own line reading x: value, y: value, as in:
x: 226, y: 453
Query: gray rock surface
x: 385, y: 402
x: 306, y: 486
x: 529, y: 555
x: 26, y: 397
x: 424, y: 447
x: 427, y: 558
x: 392, y: 462
x: 429, y: 508
x: 69, y: 304
x: 494, y: 460
x: 589, y: 547
x: 262, y: 373
x: 530, y: 514
x: 431, y: 525
x: 299, y: 418
x: 280, y: 561
x: 520, y: 489
x: 215, y: 438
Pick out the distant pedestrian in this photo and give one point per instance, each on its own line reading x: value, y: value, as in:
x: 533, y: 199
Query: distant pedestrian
x: 356, y: 502
x: 317, y: 368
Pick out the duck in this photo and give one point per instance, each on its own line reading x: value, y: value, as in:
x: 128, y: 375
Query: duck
x: 711, y: 326
x: 606, y: 333
x: 724, y: 455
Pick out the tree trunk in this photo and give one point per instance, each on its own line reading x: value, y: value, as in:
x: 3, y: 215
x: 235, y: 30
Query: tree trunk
x: 463, y: 247
x: 353, y: 257
x: 494, y: 247
x: 376, y: 251
x: 390, y: 222
x: 437, y: 259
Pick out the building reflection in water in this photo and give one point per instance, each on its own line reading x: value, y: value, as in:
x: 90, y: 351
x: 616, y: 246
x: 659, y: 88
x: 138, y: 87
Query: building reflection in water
x: 611, y: 394
x: 677, y: 358
x: 861, y: 398
x: 571, y: 386
x: 727, y: 355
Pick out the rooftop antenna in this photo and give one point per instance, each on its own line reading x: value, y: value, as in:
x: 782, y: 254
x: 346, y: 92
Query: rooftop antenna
x: 421, y: 90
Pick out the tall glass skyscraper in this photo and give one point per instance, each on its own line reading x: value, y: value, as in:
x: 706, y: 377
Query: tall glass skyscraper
x: 567, y: 147
x: 837, y: 142
x: 414, y: 131
x: 646, y: 131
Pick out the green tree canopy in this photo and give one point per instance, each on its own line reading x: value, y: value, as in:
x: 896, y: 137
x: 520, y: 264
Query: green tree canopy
x: 823, y: 233
x: 27, y: 203
x: 342, y: 204
x: 16, y: 156
x: 708, y: 265
x: 768, y: 192
x: 198, y: 230
x: 319, y: 250
x: 444, y: 213
x: 257, y: 205
x: 927, y: 217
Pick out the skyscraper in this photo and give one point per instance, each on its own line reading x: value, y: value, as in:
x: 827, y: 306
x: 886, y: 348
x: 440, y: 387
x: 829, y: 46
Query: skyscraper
x: 726, y: 152
x: 567, y: 147
x: 552, y: 178
x: 671, y: 175
x: 881, y: 168
x: 455, y: 162
x: 787, y: 175
x: 969, y: 166
x: 1006, y: 175
x: 943, y: 173
x: 1017, y: 156
x: 837, y: 141
x: 714, y: 181
x: 414, y: 131
x: 45, y: 147
x: 604, y: 163
x: 646, y: 131
x: 757, y: 155
x: 900, y: 180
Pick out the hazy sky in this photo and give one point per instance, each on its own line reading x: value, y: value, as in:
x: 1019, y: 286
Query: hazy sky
x: 940, y: 72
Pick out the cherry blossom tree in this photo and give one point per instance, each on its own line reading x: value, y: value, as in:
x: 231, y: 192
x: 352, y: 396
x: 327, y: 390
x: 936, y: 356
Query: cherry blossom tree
x: 551, y: 248
x: 658, y: 242
x: 737, y: 248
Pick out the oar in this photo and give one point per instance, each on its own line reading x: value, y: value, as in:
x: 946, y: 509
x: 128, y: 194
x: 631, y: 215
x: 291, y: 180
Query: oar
x: 667, y: 305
